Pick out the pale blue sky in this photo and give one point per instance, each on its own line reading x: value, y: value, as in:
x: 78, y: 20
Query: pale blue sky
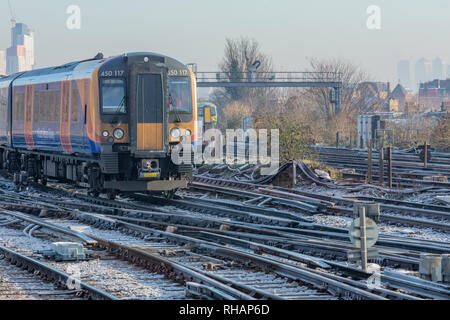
x: 194, y: 30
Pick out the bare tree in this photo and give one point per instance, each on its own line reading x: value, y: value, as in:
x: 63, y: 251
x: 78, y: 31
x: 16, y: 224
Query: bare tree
x: 441, y: 134
x: 239, y: 55
x: 355, y: 97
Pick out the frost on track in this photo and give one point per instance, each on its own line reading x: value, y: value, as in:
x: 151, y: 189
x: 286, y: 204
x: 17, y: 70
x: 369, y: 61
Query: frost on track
x: 16, y: 240
x: 125, y: 281
x: 392, y: 230
x: 114, y: 276
x: 344, y: 222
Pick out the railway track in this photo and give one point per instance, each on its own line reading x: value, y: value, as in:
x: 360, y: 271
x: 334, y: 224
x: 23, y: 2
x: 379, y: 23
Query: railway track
x: 397, y: 155
x: 184, y: 265
x: 226, y: 246
x: 106, y: 272
x: 334, y: 205
x: 408, y: 170
x: 263, y: 281
x: 24, y: 278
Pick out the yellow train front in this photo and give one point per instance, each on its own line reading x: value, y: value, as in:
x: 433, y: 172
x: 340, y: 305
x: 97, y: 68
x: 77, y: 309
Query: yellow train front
x: 109, y: 125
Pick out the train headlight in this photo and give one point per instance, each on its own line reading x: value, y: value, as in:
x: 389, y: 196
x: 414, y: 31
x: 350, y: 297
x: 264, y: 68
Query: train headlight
x: 188, y: 133
x: 175, y: 133
x: 105, y: 134
x: 119, y: 134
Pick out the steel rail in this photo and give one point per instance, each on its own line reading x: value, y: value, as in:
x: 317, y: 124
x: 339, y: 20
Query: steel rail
x: 175, y: 271
x: 52, y: 274
x: 349, y: 212
x: 50, y: 226
x: 184, y: 239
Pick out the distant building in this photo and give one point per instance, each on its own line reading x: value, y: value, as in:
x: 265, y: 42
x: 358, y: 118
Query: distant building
x: 402, y: 96
x: 438, y: 68
x: 445, y: 107
x: 2, y: 63
x: 20, y: 56
x: 404, y: 74
x: 433, y: 93
x: 412, y: 107
x: 372, y: 95
x: 422, y: 71
x: 392, y: 105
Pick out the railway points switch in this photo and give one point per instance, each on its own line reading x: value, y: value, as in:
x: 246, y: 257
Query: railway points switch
x: 446, y: 268
x: 66, y: 251
x: 372, y: 209
x: 430, y: 267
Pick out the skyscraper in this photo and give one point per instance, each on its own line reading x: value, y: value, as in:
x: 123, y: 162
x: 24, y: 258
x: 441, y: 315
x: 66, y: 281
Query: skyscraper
x: 422, y: 72
x: 403, y: 72
x: 20, y: 56
x: 2, y: 63
x: 438, y: 68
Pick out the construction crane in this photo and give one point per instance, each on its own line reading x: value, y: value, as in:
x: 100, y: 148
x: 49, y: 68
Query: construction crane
x: 13, y: 16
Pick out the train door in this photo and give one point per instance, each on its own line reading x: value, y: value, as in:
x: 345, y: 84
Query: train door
x: 207, y: 115
x: 150, y: 113
x: 148, y: 116
x: 147, y: 106
x: 85, y: 110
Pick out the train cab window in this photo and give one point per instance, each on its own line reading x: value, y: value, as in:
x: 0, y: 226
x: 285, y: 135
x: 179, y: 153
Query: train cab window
x: 113, y: 96
x: 180, y: 98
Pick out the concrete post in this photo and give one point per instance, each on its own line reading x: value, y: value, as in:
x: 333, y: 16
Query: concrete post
x: 362, y: 216
x: 381, y: 165
x: 425, y: 158
x: 389, y: 159
x: 337, y: 139
x: 369, y: 158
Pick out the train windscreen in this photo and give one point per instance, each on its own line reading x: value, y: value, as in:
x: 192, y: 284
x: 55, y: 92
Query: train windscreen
x: 113, y: 96
x: 180, y: 98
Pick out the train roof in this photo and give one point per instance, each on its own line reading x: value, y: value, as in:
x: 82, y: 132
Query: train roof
x: 6, y: 80
x: 71, y: 66
x: 206, y: 104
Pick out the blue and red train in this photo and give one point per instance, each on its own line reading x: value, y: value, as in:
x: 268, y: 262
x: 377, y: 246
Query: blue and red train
x: 107, y: 124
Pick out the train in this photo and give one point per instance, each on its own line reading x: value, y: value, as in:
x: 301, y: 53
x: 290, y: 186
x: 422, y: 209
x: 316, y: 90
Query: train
x: 207, y: 115
x: 106, y: 124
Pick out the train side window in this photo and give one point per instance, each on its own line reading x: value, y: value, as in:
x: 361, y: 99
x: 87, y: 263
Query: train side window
x: 75, y: 103
x: 19, y: 107
x: 3, y: 103
x: 57, y: 103
x: 50, y: 104
x: 16, y: 106
x: 43, y: 115
x: 36, y: 106
x: 44, y: 105
x: 22, y: 107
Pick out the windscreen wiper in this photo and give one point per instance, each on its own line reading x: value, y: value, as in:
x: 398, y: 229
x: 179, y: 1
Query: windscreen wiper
x: 178, y: 119
x: 173, y: 109
x: 121, y: 104
x: 118, y: 110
